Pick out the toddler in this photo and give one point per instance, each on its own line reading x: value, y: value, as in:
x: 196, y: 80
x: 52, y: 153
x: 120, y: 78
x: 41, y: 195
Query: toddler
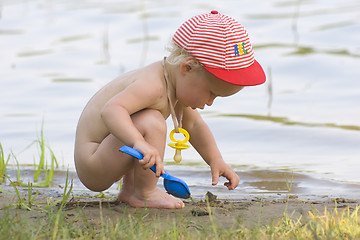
x: 211, y: 56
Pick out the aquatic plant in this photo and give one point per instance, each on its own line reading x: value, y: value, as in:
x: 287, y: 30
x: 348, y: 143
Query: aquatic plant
x: 286, y: 121
x: 67, y: 191
x: 18, y: 181
x: 3, y: 164
x: 21, y: 202
x: 65, y: 197
x: 42, y: 166
x: 31, y: 198
x: 28, y: 202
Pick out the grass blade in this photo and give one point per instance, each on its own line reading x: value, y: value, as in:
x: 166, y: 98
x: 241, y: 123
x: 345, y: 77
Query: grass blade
x: 3, y: 164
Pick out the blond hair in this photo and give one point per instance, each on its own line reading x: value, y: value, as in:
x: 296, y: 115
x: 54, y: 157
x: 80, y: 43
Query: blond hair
x: 178, y: 55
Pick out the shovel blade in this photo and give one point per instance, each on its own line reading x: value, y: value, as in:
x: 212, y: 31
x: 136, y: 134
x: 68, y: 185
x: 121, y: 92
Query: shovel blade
x: 177, y: 188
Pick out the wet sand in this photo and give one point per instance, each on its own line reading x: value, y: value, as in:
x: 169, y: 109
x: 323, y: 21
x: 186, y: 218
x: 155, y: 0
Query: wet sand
x: 250, y: 210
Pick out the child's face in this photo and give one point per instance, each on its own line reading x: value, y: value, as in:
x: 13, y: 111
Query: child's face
x: 199, y: 88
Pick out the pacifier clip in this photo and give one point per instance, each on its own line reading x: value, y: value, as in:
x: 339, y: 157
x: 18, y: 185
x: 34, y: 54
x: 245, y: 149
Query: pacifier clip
x: 178, y: 145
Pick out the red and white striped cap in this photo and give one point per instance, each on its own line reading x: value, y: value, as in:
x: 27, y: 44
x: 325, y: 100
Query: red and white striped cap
x: 222, y: 46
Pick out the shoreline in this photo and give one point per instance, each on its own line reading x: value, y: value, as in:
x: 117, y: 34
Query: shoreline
x: 279, y: 189
x: 250, y: 209
x: 253, y: 177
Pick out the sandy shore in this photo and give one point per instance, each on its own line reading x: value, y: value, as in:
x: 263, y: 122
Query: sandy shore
x: 249, y: 210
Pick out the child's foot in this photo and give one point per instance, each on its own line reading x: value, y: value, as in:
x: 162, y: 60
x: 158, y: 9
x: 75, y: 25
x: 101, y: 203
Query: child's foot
x: 156, y: 199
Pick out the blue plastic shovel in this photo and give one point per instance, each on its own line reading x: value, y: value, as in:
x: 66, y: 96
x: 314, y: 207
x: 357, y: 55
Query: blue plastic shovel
x: 173, y: 185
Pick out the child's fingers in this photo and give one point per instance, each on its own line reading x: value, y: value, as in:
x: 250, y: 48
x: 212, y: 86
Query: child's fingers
x: 233, y: 182
x: 159, y: 167
x: 215, y: 177
x: 142, y: 162
x: 230, y: 186
x: 146, y: 162
x: 230, y: 175
x: 150, y: 162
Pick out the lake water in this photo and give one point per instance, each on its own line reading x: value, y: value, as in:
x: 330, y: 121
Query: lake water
x: 303, y: 125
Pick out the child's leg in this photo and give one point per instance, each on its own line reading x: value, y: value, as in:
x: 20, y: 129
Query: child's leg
x: 135, y: 189
x: 99, y: 171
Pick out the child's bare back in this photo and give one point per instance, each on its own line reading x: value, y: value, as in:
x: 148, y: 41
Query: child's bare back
x: 91, y: 126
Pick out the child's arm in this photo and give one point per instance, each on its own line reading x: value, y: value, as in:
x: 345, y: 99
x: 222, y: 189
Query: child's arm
x: 203, y: 141
x: 116, y: 116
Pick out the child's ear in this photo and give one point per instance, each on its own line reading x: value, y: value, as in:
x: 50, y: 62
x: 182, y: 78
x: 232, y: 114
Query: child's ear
x: 188, y: 65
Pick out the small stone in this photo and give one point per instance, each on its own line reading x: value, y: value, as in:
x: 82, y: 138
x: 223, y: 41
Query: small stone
x: 210, y: 197
x: 199, y: 212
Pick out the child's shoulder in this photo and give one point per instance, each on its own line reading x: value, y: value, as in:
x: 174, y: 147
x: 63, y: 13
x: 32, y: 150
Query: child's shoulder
x: 145, y: 88
x: 150, y: 77
x: 146, y: 83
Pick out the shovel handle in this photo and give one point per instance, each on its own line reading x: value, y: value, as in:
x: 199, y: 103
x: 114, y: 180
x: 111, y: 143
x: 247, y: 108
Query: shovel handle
x: 136, y: 154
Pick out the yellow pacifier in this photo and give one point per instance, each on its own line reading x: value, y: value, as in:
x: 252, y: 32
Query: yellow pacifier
x: 179, y: 144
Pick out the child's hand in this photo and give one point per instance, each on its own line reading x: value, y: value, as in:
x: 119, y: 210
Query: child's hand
x: 224, y: 170
x: 151, y: 157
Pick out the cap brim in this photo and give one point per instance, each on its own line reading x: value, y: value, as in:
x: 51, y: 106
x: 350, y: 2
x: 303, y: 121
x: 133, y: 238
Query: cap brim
x: 249, y: 76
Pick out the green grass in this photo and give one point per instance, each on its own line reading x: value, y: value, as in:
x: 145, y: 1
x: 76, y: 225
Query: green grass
x: 53, y: 220
x: 25, y: 218
x: 43, y: 168
x: 4, y: 161
x: 55, y: 224
x: 23, y: 202
x: 43, y: 164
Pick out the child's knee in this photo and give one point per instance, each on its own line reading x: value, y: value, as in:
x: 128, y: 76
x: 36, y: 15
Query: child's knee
x: 150, y: 120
